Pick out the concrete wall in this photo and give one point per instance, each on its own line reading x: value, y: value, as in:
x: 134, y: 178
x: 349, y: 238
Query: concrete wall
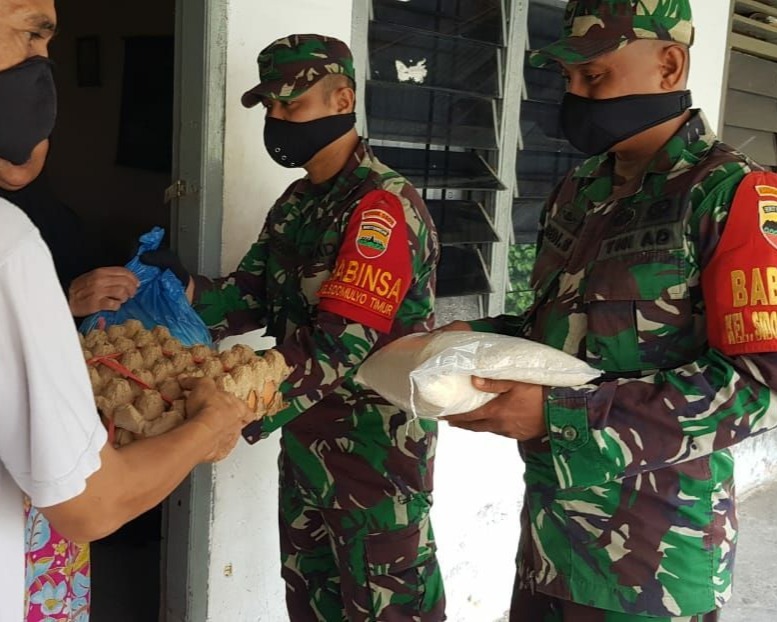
x: 755, y: 463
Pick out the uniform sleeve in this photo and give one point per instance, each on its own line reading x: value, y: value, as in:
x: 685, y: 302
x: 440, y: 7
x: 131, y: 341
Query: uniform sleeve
x: 384, y: 264
x: 50, y: 433
x: 630, y: 426
x: 234, y: 304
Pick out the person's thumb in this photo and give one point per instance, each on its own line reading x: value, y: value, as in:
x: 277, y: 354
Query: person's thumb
x: 492, y: 386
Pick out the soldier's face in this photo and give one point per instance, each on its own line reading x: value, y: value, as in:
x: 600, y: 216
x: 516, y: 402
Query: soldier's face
x: 313, y: 104
x: 638, y: 69
x: 26, y: 28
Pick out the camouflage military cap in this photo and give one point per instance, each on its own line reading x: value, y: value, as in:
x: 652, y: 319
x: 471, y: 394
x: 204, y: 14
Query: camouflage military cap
x: 595, y: 27
x: 291, y: 65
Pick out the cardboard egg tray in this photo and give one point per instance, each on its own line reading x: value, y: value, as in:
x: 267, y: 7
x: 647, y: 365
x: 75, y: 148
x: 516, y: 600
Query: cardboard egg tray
x: 135, y: 377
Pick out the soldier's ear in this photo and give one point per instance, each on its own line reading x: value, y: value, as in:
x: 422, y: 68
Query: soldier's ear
x: 345, y: 100
x: 674, y: 67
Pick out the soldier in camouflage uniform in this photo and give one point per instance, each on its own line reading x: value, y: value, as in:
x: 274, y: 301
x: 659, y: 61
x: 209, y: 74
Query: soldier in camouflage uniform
x: 629, y: 510
x: 345, y: 264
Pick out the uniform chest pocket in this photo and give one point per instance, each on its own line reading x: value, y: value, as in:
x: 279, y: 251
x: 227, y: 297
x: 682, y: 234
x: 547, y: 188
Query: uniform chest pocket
x: 639, y: 312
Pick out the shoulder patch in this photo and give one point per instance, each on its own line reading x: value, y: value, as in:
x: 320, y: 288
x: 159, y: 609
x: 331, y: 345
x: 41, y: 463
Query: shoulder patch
x: 740, y: 282
x: 767, y: 211
x: 373, y: 271
x: 375, y: 228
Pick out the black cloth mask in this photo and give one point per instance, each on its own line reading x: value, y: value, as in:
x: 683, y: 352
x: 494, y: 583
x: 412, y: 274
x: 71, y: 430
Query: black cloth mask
x: 595, y: 126
x: 28, y: 108
x: 293, y: 144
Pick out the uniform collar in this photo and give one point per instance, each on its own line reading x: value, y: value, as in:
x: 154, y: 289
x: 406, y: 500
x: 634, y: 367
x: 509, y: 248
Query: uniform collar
x: 351, y: 175
x: 685, y: 149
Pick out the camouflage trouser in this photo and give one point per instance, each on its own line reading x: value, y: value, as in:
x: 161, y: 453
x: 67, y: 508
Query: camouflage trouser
x: 377, y: 564
x: 528, y: 607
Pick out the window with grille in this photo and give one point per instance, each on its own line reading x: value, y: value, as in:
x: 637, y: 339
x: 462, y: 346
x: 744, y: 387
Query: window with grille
x: 544, y: 155
x: 750, y: 116
x: 434, y: 79
x: 438, y: 109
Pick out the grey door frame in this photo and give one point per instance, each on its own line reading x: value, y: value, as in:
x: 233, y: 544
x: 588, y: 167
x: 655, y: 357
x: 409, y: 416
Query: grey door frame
x: 198, y: 139
x: 198, y: 169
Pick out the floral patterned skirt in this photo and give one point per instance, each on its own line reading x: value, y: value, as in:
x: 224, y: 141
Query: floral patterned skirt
x: 57, y: 573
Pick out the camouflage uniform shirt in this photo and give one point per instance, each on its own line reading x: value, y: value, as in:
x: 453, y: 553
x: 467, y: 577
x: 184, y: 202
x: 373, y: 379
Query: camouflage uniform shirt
x: 629, y: 501
x: 342, y: 446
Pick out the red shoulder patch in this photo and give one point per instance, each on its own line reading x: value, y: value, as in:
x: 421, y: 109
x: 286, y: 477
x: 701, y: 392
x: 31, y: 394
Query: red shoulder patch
x: 740, y: 282
x: 374, y: 267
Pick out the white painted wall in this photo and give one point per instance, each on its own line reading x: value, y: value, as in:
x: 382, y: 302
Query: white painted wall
x: 755, y: 463
x: 245, y: 581
x: 252, y: 181
x: 708, y: 56
x: 479, y: 487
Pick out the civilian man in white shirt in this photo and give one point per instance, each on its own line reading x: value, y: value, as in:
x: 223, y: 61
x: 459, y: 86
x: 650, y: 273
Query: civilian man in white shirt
x: 53, y: 446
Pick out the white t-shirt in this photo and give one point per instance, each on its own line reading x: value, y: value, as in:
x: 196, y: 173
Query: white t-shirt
x: 50, y: 434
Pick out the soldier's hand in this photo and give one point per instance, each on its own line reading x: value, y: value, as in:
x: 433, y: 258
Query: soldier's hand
x: 165, y: 259
x: 517, y: 412
x: 104, y: 289
x: 222, y: 414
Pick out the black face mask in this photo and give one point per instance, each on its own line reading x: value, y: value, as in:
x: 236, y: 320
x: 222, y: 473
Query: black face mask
x: 595, y: 126
x: 294, y: 144
x: 28, y: 108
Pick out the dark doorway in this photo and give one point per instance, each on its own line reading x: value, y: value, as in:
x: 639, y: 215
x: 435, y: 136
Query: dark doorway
x: 110, y: 163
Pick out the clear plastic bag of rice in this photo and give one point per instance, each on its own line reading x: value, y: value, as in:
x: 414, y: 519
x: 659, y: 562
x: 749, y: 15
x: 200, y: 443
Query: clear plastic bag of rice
x: 429, y: 374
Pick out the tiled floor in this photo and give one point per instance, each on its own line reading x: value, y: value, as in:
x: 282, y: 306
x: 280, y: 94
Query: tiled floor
x: 755, y: 579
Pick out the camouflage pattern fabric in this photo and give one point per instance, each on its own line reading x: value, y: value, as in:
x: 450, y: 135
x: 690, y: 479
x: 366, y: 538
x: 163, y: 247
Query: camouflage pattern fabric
x: 291, y: 65
x: 629, y: 502
x: 595, y: 27
x: 377, y: 564
x: 535, y: 607
x: 342, y: 446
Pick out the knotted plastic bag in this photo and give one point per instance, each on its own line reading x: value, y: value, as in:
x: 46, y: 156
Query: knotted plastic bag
x: 160, y: 300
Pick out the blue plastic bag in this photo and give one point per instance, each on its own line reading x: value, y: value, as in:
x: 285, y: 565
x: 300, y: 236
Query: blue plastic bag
x: 160, y: 300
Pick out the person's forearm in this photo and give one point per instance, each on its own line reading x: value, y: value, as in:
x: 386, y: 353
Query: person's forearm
x: 321, y: 357
x: 130, y: 481
x: 151, y: 469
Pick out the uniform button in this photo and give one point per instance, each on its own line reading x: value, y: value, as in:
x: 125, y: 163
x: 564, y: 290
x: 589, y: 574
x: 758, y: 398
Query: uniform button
x: 568, y: 433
